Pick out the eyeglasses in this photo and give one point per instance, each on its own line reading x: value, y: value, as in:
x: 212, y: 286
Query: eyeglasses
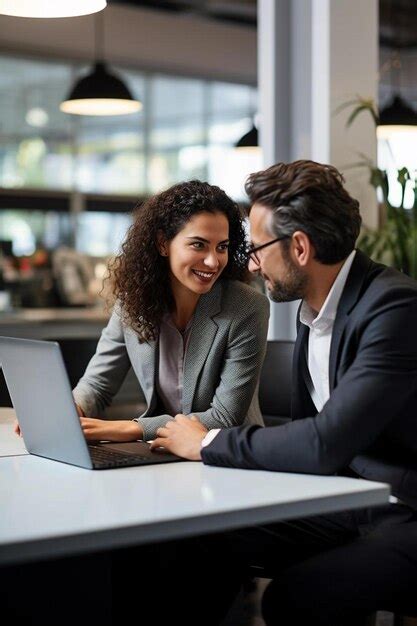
x: 253, y: 250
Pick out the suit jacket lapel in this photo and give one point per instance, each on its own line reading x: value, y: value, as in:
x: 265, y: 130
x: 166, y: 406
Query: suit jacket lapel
x: 203, y: 332
x: 349, y: 298
x: 301, y: 403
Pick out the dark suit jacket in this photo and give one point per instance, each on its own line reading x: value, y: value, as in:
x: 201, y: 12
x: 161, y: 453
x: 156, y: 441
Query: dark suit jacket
x: 368, y: 426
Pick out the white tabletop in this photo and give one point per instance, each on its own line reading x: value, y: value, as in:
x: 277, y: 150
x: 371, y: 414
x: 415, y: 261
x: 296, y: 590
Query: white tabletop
x: 51, y: 509
x: 10, y: 444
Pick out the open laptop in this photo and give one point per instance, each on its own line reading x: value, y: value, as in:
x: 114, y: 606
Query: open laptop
x: 41, y: 394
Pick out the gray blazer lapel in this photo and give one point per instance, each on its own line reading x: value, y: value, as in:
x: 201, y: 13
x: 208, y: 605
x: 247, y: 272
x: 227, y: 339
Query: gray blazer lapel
x: 143, y: 359
x: 203, y: 333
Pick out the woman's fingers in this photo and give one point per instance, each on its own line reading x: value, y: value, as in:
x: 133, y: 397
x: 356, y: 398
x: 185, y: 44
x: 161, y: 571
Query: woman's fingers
x: 16, y: 428
x: 157, y: 443
x: 93, y: 428
x: 181, y: 417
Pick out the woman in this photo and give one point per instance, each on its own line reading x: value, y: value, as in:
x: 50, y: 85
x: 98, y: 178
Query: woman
x: 184, y: 319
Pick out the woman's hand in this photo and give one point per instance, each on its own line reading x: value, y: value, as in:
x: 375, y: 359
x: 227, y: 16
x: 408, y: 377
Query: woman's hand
x: 95, y: 429
x: 182, y: 436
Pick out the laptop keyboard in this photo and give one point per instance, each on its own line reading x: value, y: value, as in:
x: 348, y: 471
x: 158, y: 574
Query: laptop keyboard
x: 103, y: 458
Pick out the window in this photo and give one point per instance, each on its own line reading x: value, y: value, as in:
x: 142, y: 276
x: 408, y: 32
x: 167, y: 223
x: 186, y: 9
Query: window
x: 35, y: 137
x: 28, y: 230
x: 399, y: 152
x: 186, y: 129
x: 101, y: 234
x: 109, y: 152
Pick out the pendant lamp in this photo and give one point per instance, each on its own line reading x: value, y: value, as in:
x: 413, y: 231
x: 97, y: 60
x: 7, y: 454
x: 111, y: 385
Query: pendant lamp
x: 398, y: 116
x: 50, y: 8
x: 100, y: 92
x: 249, y: 139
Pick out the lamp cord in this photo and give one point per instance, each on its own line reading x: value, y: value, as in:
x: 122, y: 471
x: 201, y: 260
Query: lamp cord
x: 99, y: 36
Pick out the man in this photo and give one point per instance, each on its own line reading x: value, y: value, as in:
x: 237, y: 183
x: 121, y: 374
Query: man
x: 353, y: 406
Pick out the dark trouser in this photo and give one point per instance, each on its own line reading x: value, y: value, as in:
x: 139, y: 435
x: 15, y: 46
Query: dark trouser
x: 344, y: 585
x: 332, y: 570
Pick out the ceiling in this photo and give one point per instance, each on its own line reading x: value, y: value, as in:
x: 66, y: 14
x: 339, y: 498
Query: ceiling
x: 398, y: 18
x: 241, y: 12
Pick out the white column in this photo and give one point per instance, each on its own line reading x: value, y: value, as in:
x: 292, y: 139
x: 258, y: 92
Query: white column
x: 275, y: 98
x: 274, y: 79
x: 313, y: 55
x: 344, y: 65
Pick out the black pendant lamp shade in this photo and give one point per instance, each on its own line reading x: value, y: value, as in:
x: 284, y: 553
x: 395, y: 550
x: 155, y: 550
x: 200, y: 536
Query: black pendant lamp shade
x: 100, y: 93
x: 249, y: 140
x: 398, y: 115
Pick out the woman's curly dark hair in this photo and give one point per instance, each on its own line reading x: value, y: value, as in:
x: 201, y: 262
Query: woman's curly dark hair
x: 139, y: 275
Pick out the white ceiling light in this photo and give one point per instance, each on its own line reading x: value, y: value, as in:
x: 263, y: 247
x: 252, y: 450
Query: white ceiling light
x: 37, y: 117
x: 50, y: 8
x: 100, y: 92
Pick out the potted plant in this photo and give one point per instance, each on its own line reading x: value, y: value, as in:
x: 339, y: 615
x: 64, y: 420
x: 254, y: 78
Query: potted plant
x: 394, y: 242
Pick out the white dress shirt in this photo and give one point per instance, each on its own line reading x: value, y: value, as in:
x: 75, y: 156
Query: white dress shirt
x: 320, y: 336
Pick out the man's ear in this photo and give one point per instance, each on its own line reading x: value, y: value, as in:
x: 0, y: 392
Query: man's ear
x: 162, y: 243
x: 302, y: 248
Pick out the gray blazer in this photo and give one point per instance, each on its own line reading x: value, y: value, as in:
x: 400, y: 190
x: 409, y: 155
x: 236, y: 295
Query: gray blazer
x: 221, y: 370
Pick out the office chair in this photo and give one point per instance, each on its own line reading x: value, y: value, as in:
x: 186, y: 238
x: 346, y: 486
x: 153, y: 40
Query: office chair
x: 76, y: 354
x: 275, y: 383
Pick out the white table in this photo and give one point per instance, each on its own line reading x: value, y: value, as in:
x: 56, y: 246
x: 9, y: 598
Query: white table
x: 52, y: 509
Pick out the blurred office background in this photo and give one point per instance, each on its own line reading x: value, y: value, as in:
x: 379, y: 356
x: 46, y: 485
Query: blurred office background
x: 72, y: 180
x: 192, y: 116
x: 205, y: 72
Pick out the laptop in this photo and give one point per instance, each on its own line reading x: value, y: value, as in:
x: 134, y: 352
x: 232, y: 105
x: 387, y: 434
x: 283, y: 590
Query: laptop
x: 42, y: 398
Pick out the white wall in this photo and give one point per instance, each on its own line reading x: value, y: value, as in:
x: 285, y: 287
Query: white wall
x: 354, y: 64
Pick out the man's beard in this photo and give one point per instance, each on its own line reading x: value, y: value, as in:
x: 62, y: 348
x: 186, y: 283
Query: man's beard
x: 293, y: 288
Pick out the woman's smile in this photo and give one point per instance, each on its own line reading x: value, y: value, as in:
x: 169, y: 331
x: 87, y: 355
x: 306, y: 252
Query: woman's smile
x: 204, y: 276
x: 198, y: 254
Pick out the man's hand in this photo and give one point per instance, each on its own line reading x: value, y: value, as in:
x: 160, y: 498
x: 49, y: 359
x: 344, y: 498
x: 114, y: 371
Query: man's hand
x: 182, y: 436
x: 110, y: 430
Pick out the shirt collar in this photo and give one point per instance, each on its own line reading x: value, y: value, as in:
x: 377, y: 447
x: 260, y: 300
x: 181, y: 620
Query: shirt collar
x: 168, y: 321
x: 322, y: 320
